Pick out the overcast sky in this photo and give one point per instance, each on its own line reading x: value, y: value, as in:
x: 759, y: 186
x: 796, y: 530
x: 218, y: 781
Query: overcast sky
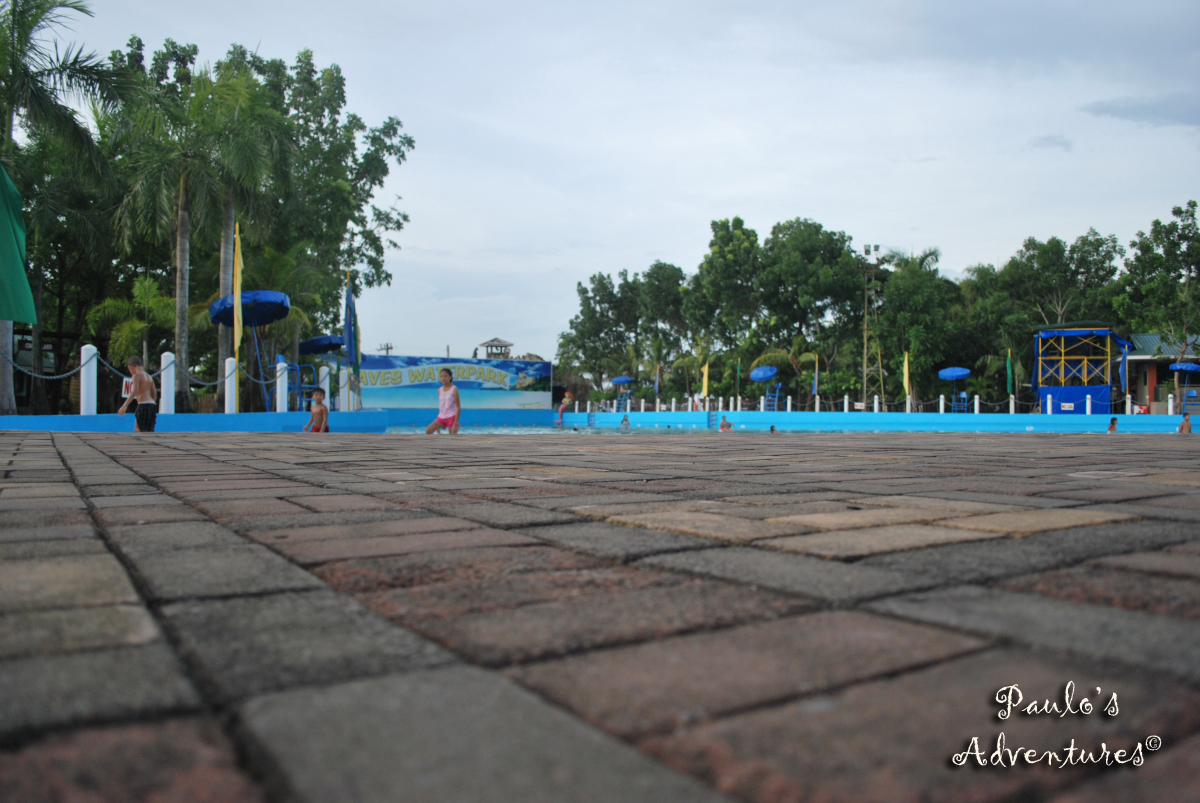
x: 555, y: 140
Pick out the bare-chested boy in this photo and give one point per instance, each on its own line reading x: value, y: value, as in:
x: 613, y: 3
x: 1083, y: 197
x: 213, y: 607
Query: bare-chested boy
x: 143, y: 395
x: 319, y: 420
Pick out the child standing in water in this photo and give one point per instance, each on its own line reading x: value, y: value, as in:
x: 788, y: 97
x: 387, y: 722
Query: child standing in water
x: 449, y: 407
x: 319, y: 421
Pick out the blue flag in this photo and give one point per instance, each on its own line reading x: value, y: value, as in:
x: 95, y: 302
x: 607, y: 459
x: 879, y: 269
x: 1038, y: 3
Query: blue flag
x: 1125, y: 370
x: 816, y: 376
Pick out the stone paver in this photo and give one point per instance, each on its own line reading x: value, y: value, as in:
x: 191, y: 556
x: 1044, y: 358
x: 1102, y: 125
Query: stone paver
x: 663, y: 685
x: 175, y: 760
x: 457, y: 734
x: 814, y: 616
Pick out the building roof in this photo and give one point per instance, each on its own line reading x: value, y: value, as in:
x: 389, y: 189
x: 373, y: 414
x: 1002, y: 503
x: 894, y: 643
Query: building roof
x: 496, y: 342
x: 1075, y: 325
x: 1154, y: 347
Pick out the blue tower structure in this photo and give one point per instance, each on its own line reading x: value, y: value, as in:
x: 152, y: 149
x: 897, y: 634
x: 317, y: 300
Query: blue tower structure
x: 1075, y: 360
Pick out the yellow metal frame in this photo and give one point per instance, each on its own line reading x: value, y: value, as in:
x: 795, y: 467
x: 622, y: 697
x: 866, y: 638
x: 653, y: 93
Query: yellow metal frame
x: 1086, y: 357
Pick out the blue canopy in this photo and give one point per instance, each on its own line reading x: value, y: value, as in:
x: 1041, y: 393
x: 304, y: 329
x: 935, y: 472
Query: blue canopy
x: 1185, y: 366
x: 622, y: 380
x: 954, y: 373
x: 1044, y: 333
x: 259, y: 308
x: 763, y: 373
x: 321, y: 344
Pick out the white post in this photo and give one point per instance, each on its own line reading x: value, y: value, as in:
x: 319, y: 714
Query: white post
x: 876, y: 402
x: 846, y: 403
x: 942, y: 403
x: 908, y: 404
x: 281, y: 387
x: 1170, y: 404
x: 1012, y: 404
x: 673, y: 402
x: 1128, y: 404
x: 589, y: 408
x: 976, y: 404
x: 87, y: 380
x: 344, y: 404
x: 231, y: 385
x: 762, y: 403
x: 789, y: 404
x: 576, y: 406
x: 1049, y: 404
x: 323, y: 380
x: 817, y: 403
x: 643, y: 405
x: 720, y: 404
x: 166, y: 381
x: 739, y: 404
x: 1089, y: 404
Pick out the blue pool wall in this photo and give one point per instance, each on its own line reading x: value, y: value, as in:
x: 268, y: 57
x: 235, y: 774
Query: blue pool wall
x: 400, y: 420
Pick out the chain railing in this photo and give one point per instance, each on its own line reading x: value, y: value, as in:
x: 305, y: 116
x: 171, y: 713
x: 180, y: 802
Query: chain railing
x: 72, y: 372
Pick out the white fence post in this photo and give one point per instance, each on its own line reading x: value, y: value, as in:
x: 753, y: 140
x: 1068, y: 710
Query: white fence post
x: 817, y: 403
x: 1170, y: 404
x: 976, y: 404
x: 1012, y: 404
x: 1049, y: 404
x: 846, y: 403
x: 576, y: 406
x: 281, y: 387
x: 789, y: 409
x: 166, y: 382
x: 762, y: 403
x: 673, y: 402
x: 1089, y: 404
x: 1128, y: 404
x: 876, y: 402
x: 87, y: 380
x: 344, y: 404
x: 231, y: 385
x: 739, y: 404
x: 908, y: 404
x: 643, y: 401
x: 942, y: 403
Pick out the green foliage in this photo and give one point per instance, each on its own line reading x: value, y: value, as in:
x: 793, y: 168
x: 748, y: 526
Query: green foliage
x: 132, y: 324
x: 797, y: 300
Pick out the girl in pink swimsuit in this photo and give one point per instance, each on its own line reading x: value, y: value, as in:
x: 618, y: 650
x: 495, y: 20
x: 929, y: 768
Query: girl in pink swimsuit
x: 448, y: 405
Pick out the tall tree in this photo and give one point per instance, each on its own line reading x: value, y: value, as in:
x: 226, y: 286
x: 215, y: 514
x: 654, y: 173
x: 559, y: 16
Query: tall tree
x: 36, y: 79
x: 722, y: 298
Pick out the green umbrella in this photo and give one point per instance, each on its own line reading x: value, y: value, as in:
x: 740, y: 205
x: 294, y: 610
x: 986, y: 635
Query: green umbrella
x: 16, y: 299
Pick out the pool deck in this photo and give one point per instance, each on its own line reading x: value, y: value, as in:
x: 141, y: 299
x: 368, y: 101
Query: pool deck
x: 365, y: 617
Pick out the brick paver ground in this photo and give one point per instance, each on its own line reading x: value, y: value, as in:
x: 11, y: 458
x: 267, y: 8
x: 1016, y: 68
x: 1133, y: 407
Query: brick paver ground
x: 653, y: 617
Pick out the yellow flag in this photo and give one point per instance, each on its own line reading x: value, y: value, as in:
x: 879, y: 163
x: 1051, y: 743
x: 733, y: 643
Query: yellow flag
x: 907, y: 387
x: 237, y: 289
x: 704, y: 392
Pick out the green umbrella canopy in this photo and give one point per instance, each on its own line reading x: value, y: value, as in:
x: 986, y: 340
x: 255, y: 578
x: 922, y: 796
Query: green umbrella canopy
x: 16, y: 299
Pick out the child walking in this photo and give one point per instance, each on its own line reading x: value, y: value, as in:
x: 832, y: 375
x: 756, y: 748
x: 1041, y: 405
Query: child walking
x: 319, y: 420
x: 143, y: 395
x: 448, y: 405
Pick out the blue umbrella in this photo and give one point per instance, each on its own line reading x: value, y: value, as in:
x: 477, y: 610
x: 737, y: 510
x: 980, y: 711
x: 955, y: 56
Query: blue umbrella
x: 321, y: 344
x: 763, y: 373
x: 622, y: 380
x: 259, y: 308
x: 954, y: 373
x: 1185, y: 366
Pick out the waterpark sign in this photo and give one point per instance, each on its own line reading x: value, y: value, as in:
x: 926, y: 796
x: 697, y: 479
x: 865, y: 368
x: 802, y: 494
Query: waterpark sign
x: 389, y: 381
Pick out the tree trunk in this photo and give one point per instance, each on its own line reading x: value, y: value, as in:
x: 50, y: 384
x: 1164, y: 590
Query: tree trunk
x: 8, y: 399
x: 225, y: 333
x: 182, y: 252
x: 38, y: 403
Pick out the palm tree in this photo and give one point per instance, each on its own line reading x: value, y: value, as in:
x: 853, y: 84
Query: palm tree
x: 34, y: 78
x: 656, y: 360
x: 131, y: 322
x: 184, y: 154
x: 693, y: 362
x: 796, y: 356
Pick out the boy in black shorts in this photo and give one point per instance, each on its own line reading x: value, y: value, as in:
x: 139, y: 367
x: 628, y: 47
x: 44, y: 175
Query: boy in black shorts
x: 143, y: 395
